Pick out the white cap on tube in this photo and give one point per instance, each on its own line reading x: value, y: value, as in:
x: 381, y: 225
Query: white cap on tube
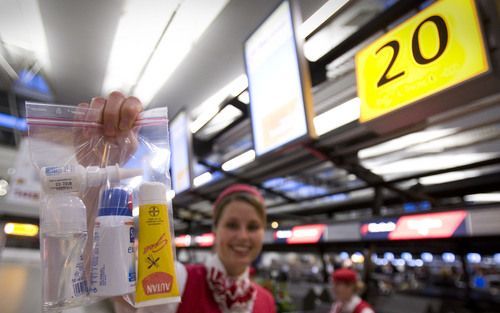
x: 152, y: 192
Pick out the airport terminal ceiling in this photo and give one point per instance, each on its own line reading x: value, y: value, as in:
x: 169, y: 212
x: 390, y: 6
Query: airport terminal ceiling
x: 404, y: 198
x: 349, y: 168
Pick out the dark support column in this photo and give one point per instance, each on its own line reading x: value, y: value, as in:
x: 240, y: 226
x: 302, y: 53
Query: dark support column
x: 322, y: 255
x: 368, y: 269
x: 467, y: 278
x: 378, y: 201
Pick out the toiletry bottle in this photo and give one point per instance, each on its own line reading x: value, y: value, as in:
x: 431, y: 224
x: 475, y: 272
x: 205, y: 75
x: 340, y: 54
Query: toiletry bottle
x: 156, y: 277
x: 76, y: 178
x: 64, y: 227
x: 113, y: 261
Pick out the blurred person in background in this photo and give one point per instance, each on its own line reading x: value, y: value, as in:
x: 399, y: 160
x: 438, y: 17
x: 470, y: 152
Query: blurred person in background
x: 222, y: 284
x: 346, y: 287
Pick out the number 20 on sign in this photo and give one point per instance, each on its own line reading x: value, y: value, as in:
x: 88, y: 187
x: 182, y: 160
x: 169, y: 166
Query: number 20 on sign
x: 438, y: 48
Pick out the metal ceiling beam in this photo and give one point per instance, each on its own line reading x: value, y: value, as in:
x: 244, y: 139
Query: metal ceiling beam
x: 247, y: 181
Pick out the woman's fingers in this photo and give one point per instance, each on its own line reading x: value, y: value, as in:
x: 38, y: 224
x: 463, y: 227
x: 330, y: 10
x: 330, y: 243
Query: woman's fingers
x: 111, y: 114
x: 130, y: 109
x: 94, y: 113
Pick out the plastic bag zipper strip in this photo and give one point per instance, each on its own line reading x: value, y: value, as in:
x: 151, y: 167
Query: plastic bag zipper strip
x: 40, y: 121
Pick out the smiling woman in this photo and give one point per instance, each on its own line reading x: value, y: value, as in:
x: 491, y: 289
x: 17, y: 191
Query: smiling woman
x: 223, y: 283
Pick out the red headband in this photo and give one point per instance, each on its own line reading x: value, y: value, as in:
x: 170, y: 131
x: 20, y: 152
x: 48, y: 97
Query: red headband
x: 239, y: 188
x: 344, y: 275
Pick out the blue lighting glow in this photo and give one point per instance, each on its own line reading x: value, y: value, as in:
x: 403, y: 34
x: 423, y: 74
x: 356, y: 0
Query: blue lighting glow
x: 13, y: 122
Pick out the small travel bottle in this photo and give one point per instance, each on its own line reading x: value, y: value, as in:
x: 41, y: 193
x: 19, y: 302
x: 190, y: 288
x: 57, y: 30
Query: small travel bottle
x: 113, y: 261
x: 64, y: 235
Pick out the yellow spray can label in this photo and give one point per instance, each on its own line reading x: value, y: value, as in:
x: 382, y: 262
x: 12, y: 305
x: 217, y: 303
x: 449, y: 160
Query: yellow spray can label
x: 156, y: 268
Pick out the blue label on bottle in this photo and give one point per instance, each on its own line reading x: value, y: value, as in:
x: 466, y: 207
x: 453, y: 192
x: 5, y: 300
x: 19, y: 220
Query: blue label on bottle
x: 132, y: 234
x: 131, y: 277
x: 57, y: 170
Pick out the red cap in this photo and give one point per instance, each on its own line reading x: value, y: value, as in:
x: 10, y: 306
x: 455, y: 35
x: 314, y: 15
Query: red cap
x: 239, y: 188
x: 344, y: 275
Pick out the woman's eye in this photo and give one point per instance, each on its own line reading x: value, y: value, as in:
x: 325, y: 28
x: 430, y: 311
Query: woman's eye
x: 232, y: 225
x: 253, y: 227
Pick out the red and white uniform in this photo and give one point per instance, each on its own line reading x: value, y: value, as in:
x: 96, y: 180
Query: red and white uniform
x: 240, y: 295
x: 355, y: 305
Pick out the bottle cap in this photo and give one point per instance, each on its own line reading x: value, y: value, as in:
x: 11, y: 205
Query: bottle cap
x: 65, y: 213
x: 114, y: 201
x: 152, y: 192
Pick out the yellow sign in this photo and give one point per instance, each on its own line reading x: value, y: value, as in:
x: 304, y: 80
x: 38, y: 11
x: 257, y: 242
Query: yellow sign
x: 440, y: 47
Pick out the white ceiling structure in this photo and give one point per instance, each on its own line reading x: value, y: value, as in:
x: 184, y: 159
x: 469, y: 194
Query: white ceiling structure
x: 80, y: 36
x: 73, y: 43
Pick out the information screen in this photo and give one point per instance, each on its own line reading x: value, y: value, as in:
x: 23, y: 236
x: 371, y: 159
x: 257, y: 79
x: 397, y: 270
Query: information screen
x: 181, y: 162
x: 279, y: 104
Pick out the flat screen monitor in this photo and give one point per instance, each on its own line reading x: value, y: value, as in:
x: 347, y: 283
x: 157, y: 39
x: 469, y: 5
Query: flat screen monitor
x: 180, y: 145
x: 279, y: 82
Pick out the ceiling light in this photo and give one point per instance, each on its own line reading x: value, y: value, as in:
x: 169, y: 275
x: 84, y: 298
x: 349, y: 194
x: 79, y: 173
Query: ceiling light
x: 134, y: 40
x: 275, y: 225
x: 338, y: 116
x: 404, y: 142
x: 221, y: 120
x: 203, y: 119
x: 427, y: 163
x: 20, y: 229
x: 238, y: 161
x: 202, y: 179
x: 483, y: 197
x: 210, y: 107
x: 320, y: 16
x: 448, y: 177
x: 178, y: 40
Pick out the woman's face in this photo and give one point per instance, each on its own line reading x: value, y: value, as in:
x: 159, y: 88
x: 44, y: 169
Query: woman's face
x: 343, y: 291
x: 238, y: 236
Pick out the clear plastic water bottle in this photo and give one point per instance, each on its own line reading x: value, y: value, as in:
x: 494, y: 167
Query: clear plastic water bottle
x: 64, y: 229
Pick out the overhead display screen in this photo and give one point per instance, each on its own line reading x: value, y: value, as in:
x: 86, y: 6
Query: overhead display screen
x: 180, y: 160
x: 279, y: 87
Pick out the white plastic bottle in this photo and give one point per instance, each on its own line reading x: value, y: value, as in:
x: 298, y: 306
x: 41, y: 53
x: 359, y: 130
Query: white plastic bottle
x: 75, y: 178
x: 113, y: 261
x: 64, y: 229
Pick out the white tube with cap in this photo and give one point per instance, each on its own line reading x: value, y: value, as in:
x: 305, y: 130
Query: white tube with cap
x: 75, y: 178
